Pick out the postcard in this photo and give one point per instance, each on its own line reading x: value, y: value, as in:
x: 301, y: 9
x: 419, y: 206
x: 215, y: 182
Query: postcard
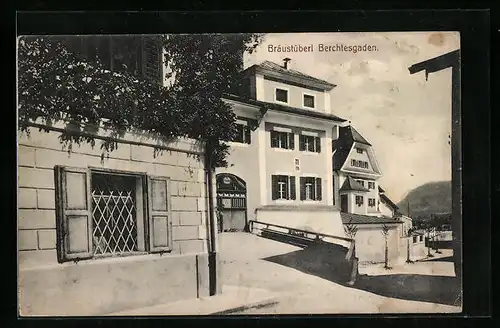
x: 230, y: 174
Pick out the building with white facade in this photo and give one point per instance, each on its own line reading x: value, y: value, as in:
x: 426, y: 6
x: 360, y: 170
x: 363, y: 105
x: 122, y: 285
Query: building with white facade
x: 280, y: 167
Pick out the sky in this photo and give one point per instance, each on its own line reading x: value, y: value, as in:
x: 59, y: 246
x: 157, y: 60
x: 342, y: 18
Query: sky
x: 406, y: 118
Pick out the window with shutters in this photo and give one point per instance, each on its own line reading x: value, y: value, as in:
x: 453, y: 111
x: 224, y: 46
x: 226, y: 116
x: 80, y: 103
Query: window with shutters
x: 310, y: 189
x: 103, y: 213
x: 310, y: 143
x: 243, y: 134
x: 283, y: 187
x: 139, y: 55
x: 283, y: 140
x: 371, y: 202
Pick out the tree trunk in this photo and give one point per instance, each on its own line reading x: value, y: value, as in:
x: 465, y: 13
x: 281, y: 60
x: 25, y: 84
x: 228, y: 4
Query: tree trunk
x: 408, y: 260
x: 386, y: 255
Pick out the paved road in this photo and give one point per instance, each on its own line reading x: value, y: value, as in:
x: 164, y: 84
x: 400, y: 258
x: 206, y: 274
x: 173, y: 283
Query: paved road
x: 246, y: 262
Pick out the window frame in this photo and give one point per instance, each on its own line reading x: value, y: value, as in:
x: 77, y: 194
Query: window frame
x: 286, y: 180
x: 304, y: 95
x: 287, y: 90
x: 287, y: 144
x: 148, y: 215
x: 143, y: 208
x: 316, y: 185
x: 245, y: 132
x: 371, y: 202
x: 306, y: 140
x: 359, y: 150
x: 361, y: 202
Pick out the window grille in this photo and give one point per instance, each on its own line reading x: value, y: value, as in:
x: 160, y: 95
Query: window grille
x: 114, y: 214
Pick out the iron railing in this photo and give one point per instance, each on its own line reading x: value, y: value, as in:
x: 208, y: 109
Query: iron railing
x: 351, y: 253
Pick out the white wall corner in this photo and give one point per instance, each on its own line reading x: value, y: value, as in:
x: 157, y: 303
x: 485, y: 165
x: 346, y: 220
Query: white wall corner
x: 328, y: 104
x: 259, y: 87
x: 262, y: 165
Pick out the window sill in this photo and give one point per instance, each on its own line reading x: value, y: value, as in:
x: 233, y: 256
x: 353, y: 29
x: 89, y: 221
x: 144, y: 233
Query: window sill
x: 310, y: 201
x: 284, y: 201
x: 237, y: 144
x: 282, y: 150
x: 312, y: 153
x: 282, y: 102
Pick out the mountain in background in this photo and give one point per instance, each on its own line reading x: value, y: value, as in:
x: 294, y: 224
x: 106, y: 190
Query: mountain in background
x: 427, y: 199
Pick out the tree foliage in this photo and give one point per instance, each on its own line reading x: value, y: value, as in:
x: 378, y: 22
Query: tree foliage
x: 56, y: 84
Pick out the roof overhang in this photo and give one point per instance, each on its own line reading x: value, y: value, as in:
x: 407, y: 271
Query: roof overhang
x: 290, y: 78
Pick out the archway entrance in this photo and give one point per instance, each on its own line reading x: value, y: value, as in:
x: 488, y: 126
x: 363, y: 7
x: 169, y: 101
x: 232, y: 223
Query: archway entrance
x: 231, y: 202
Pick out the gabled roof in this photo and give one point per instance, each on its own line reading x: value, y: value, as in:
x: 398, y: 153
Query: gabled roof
x: 351, y: 218
x: 268, y: 66
x: 342, y: 146
x: 352, y: 185
x: 283, y: 108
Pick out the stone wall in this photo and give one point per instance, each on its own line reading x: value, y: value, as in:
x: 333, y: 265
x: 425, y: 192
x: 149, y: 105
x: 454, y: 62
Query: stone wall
x: 44, y: 281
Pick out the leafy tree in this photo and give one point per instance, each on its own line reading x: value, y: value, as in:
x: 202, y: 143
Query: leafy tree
x: 385, y: 232
x: 56, y: 84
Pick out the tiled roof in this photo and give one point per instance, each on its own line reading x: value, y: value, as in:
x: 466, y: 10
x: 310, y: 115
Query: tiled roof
x: 351, y: 218
x: 342, y: 146
x: 268, y: 65
x: 286, y: 109
x: 352, y: 185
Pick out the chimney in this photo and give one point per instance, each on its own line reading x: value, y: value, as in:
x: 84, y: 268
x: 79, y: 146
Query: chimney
x: 286, y: 63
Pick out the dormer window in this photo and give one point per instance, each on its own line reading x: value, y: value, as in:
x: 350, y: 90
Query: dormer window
x: 281, y: 95
x: 308, y: 101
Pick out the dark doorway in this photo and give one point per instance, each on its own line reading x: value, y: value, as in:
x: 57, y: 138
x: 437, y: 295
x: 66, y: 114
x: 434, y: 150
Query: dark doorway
x: 231, y: 202
x: 343, y: 203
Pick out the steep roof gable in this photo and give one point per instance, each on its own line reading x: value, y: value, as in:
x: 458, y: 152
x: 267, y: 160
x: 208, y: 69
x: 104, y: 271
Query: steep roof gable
x: 342, y: 146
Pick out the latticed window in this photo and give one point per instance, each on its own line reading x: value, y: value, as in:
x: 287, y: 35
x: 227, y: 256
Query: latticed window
x: 101, y: 213
x: 114, y: 214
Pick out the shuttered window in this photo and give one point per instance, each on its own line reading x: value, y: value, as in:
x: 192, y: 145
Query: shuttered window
x: 310, y: 188
x: 283, y: 187
x: 151, y: 58
x: 309, y: 143
x: 282, y: 140
x: 107, y: 213
x: 243, y: 134
x: 139, y: 55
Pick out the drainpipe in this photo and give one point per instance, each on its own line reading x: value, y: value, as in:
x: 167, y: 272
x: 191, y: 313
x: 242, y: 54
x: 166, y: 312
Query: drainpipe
x: 212, y: 252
